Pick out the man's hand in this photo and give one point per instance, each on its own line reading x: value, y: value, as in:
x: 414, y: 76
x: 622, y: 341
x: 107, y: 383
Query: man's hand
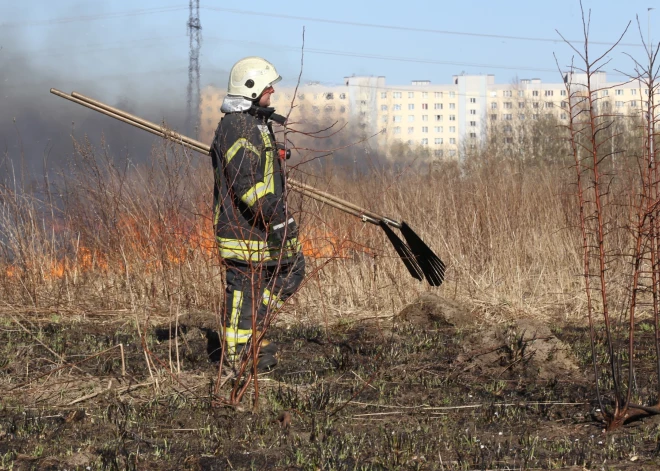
x: 279, y: 232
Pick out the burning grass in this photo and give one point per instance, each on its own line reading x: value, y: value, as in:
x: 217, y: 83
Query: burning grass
x: 130, y: 236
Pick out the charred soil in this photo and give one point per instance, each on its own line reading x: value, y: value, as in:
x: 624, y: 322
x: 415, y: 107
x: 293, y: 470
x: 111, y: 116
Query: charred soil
x: 428, y: 389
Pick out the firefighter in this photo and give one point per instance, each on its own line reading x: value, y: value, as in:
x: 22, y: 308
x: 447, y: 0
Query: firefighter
x: 256, y: 234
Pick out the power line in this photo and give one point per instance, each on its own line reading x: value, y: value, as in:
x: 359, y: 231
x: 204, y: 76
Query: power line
x: 409, y: 28
x: 388, y: 58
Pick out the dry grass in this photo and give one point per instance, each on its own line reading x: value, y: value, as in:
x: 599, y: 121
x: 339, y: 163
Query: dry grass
x: 140, y: 237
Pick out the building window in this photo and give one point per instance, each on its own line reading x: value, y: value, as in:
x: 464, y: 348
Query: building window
x: 549, y: 92
x: 396, y: 107
x: 438, y: 94
x: 508, y: 117
x: 397, y: 129
x: 452, y: 128
x: 425, y: 94
x: 425, y: 142
x: 549, y: 104
x: 473, y: 135
x: 493, y: 105
x: 507, y: 128
x: 342, y: 96
x: 411, y: 118
x: 473, y: 100
x: 506, y: 93
x: 437, y: 152
x: 330, y: 96
x: 563, y: 116
x: 411, y: 94
x: 342, y: 109
x: 452, y: 140
x: 425, y: 129
x: 633, y: 91
x: 619, y: 92
x: 564, y: 104
x: 437, y: 106
x: 425, y: 106
x: 383, y: 94
x: 452, y: 94
x: 411, y: 106
x: 425, y: 117
x: 473, y: 111
x: 437, y: 129
x: 605, y: 93
x: 493, y: 117
x: 473, y: 124
x: 452, y: 106
x: 521, y: 104
x: 563, y: 92
x: 521, y: 93
x: 535, y: 93
x: 507, y: 105
x: 396, y: 94
x: 508, y: 140
x: 618, y: 104
x: 396, y: 119
x: 633, y: 104
x: 383, y: 107
x: 452, y: 117
x: 452, y: 153
x: 535, y: 116
x: 411, y: 130
x: 438, y: 117
x: 535, y: 104
x: 437, y: 141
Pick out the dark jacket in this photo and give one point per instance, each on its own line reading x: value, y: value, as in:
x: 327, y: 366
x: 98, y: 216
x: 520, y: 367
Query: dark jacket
x: 248, y: 192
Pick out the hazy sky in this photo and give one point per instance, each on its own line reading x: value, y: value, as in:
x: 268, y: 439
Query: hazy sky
x: 136, y: 52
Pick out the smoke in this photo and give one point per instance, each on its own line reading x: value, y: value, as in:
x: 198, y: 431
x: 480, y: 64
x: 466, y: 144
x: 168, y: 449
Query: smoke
x: 37, y: 126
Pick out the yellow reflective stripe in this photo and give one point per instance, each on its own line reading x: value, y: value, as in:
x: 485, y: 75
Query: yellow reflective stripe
x: 269, y: 297
x: 255, y: 250
x: 261, y: 189
x: 242, y: 244
x: 236, y: 146
x: 236, y: 305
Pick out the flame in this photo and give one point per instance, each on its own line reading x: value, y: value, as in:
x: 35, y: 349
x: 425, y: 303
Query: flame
x: 172, y: 241
x: 319, y: 244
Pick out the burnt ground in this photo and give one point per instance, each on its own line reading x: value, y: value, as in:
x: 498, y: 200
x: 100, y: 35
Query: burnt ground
x: 430, y: 389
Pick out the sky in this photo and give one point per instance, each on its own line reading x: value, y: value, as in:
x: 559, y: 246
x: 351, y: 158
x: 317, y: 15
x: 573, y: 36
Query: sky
x: 135, y: 53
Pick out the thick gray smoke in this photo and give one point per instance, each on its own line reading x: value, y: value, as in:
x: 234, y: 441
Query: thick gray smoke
x: 35, y: 124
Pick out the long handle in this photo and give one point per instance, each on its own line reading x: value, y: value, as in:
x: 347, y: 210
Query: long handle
x: 193, y: 144
x: 418, y: 258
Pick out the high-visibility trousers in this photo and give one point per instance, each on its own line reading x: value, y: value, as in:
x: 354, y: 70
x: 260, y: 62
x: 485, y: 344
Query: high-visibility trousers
x: 257, y: 289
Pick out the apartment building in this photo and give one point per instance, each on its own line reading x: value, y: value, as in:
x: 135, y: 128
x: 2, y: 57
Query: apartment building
x: 437, y: 117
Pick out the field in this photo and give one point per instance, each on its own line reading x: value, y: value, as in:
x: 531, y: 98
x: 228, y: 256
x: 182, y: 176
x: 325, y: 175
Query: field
x: 111, y: 288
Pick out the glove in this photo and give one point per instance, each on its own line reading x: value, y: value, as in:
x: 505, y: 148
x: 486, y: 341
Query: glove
x: 282, y: 153
x: 277, y: 232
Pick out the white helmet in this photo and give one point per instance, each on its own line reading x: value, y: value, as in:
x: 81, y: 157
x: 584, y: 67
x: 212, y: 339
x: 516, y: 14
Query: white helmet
x: 250, y: 76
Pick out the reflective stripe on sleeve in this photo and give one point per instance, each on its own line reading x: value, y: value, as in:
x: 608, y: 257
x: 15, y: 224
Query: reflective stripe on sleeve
x: 262, y: 188
x: 238, y: 145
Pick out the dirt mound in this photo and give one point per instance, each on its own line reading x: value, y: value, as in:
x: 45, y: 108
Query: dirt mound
x: 522, y: 347
x: 429, y: 309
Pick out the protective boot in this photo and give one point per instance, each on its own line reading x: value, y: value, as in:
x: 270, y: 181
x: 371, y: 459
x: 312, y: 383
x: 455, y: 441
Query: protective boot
x: 238, y: 344
x: 267, y: 357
